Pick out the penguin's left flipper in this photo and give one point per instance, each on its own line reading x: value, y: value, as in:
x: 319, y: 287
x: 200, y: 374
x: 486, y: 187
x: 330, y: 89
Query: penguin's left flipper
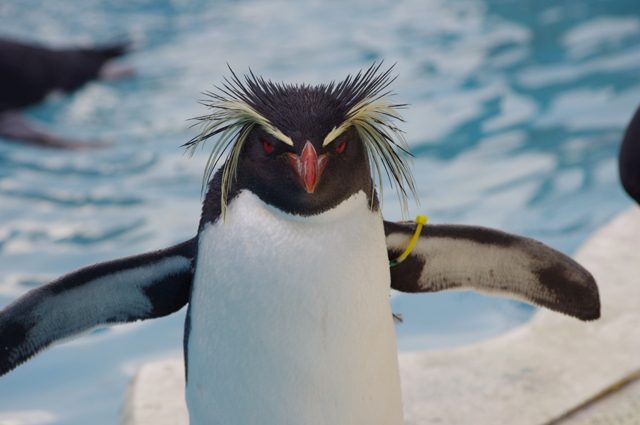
x: 491, y: 262
x: 143, y: 286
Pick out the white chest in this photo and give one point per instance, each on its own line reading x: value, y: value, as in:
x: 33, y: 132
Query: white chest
x: 290, y: 320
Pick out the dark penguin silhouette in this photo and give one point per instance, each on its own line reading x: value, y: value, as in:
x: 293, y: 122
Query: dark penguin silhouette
x: 29, y: 73
x: 288, y: 277
x: 629, y: 158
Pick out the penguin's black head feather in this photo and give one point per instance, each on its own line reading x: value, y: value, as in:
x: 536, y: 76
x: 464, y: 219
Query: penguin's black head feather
x: 305, y: 149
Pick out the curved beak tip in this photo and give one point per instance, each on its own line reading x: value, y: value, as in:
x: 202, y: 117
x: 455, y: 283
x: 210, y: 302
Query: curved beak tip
x: 308, y: 167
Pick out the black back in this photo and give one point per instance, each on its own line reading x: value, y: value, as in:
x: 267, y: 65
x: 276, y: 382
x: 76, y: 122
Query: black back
x: 28, y: 73
x: 629, y: 158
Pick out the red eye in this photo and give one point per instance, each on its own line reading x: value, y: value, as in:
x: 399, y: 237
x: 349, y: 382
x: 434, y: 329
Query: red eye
x: 267, y: 146
x: 340, y: 147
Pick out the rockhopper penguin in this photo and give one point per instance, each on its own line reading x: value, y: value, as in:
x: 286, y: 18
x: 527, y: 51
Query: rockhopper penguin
x: 29, y: 73
x: 288, y: 278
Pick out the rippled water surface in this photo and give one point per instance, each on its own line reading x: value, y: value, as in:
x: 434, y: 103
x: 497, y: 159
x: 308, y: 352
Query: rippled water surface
x: 516, y: 112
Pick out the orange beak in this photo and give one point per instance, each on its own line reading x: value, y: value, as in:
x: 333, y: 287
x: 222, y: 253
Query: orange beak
x: 309, y: 167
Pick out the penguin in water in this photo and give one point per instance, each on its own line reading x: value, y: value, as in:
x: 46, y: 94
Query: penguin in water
x: 29, y: 73
x: 288, y: 278
x: 629, y: 158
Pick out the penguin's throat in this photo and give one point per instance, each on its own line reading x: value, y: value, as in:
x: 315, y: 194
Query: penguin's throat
x: 348, y: 207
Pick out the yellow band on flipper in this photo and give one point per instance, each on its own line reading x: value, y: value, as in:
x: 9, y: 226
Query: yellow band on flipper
x: 421, y: 220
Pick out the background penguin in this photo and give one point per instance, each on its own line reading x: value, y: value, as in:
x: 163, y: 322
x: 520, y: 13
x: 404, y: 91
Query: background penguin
x: 288, y: 278
x: 29, y: 73
x: 629, y: 158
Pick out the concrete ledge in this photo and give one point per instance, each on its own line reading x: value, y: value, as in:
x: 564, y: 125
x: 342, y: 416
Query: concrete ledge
x: 553, y: 370
x: 156, y: 395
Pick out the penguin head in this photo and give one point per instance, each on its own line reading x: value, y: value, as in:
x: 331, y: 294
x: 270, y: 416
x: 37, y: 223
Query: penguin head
x: 305, y: 178
x: 305, y: 149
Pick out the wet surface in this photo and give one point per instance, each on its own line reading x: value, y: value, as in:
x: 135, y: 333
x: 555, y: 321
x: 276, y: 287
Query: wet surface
x: 516, y: 112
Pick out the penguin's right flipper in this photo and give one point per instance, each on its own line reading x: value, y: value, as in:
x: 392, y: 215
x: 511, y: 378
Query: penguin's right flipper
x: 143, y: 286
x: 14, y: 126
x: 491, y: 262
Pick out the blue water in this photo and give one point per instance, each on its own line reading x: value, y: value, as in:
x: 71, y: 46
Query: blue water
x: 517, y: 110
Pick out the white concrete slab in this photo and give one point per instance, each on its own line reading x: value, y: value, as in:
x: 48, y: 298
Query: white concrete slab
x: 549, y: 366
x: 156, y: 395
x: 620, y: 407
x: 552, y: 370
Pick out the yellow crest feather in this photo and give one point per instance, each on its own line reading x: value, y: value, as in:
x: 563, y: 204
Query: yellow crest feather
x: 357, y: 101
